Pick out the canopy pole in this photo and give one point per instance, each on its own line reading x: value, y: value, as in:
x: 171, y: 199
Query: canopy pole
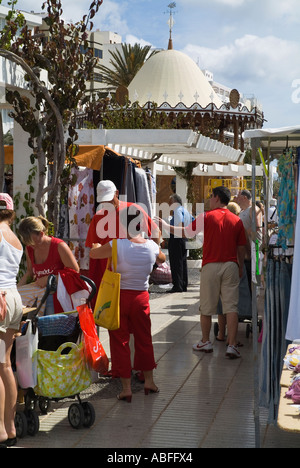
x: 255, y: 145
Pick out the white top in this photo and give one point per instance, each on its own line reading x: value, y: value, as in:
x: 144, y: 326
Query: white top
x: 135, y: 263
x: 10, y: 258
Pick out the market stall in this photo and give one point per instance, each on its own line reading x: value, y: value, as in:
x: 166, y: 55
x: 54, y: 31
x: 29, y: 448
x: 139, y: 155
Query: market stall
x: 282, y: 313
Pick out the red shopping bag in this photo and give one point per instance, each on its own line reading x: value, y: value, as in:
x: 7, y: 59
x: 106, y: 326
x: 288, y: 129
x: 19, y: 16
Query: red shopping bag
x: 94, y: 351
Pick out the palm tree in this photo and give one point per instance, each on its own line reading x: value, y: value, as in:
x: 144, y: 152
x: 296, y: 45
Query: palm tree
x: 125, y: 64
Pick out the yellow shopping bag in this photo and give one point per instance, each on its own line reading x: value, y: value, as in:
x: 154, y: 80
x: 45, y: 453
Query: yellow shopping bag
x: 62, y: 375
x: 107, y: 308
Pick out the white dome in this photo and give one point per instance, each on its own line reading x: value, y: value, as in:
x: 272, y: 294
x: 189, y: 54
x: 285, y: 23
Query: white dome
x: 173, y: 77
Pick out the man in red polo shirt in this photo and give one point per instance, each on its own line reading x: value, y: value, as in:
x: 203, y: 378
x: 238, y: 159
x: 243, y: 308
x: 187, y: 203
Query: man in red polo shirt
x: 222, y: 266
x: 105, y: 224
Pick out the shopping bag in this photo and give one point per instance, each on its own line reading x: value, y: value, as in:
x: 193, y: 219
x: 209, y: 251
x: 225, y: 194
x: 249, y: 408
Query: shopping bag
x: 107, y: 308
x: 161, y: 274
x: 62, y: 375
x: 3, y: 306
x: 94, y: 351
x: 26, y: 346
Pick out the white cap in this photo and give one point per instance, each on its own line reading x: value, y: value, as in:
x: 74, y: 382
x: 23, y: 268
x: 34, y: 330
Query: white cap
x: 273, y: 202
x: 106, y: 190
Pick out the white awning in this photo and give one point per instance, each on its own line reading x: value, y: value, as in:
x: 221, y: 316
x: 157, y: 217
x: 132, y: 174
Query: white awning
x: 276, y: 139
x: 175, y: 146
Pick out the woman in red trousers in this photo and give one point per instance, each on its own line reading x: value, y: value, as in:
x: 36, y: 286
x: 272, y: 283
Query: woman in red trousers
x: 136, y: 257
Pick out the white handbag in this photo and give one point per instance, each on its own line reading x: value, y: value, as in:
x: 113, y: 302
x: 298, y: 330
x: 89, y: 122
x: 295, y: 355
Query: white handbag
x: 26, y: 347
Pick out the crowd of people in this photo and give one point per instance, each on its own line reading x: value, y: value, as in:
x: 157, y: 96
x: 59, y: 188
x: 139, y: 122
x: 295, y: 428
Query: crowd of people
x: 227, y: 230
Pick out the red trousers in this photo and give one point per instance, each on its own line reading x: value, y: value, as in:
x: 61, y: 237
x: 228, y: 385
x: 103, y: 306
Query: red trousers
x: 134, y: 319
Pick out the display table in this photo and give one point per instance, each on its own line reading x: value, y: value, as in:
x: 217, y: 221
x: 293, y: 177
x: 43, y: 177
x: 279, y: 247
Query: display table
x: 288, y: 413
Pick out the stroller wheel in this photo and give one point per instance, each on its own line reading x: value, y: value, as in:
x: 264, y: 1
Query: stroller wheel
x: 89, y: 414
x: 21, y: 424
x: 44, y: 404
x: 30, y: 400
x: 33, y: 422
x: 76, y: 416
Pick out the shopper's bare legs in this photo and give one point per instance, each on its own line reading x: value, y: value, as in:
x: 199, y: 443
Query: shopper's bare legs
x: 206, y: 327
x: 126, y: 388
x: 149, y: 382
x: 8, y: 391
x: 232, y: 328
x: 222, y: 327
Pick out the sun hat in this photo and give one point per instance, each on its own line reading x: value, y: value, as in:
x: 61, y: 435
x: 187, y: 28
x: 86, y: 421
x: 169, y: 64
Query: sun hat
x: 8, y: 200
x: 106, y: 190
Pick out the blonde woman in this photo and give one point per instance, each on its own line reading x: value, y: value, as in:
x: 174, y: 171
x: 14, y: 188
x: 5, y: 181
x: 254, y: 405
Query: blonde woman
x: 11, y: 252
x: 45, y: 255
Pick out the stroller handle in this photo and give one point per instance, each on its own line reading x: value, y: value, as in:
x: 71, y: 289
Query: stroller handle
x: 93, y: 286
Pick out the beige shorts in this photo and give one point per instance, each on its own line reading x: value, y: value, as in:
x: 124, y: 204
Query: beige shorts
x: 14, y: 311
x: 219, y: 281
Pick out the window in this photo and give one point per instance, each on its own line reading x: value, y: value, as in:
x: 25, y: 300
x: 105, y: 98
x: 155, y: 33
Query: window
x: 97, y: 77
x: 98, y: 53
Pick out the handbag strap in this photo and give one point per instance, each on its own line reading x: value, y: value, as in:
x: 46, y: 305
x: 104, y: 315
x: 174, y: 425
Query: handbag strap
x: 115, y: 254
x: 113, y: 261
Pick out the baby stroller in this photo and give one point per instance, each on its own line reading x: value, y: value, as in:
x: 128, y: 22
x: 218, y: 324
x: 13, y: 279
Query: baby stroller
x: 244, y: 308
x: 59, y: 367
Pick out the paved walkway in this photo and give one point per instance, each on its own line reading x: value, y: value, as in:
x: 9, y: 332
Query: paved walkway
x: 205, y: 400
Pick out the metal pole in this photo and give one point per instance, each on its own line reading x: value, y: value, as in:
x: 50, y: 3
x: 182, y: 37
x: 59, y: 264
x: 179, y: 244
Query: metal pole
x: 254, y: 144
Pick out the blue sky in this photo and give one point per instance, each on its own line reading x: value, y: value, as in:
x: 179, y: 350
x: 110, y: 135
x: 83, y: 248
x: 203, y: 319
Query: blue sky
x: 251, y: 45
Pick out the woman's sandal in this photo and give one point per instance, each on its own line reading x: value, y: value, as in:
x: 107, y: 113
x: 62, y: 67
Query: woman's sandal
x: 127, y: 398
x: 8, y: 442
x: 150, y: 390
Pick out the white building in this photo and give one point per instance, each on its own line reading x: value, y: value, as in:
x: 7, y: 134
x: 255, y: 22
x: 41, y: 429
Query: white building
x: 8, y: 74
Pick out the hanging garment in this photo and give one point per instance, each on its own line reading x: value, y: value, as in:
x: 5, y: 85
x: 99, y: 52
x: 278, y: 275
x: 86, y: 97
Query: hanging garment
x: 286, y: 200
x: 128, y: 183
x: 273, y: 350
x: 81, y: 210
x: 113, y: 167
x: 293, y: 326
x: 142, y: 191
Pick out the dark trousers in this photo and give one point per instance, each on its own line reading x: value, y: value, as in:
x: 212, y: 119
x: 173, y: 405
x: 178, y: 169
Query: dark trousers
x: 178, y: 263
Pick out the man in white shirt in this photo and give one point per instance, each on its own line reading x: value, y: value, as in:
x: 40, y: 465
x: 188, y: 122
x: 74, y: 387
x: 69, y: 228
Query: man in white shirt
x: 177, y: 245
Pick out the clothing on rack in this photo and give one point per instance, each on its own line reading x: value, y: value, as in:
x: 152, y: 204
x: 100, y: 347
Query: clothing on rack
x: 293, y: 326
x: 114, y: 168
x: 128, y: 187
x: 142, y: 191
x: 151, y: 184
x: 131, y: 182
x: 81, y: 204
x: 286, y: 199
x: 278, y: 288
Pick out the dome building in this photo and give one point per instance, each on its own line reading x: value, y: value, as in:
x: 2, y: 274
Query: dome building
x: 172, y: 77
x: 173, y: 83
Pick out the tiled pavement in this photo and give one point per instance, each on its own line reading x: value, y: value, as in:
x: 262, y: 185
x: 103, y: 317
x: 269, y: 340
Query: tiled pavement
x: 205, y: 400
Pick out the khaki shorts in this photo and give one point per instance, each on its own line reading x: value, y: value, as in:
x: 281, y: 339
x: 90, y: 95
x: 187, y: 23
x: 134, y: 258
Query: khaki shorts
x: 14, y: 311
x: 219, y: 281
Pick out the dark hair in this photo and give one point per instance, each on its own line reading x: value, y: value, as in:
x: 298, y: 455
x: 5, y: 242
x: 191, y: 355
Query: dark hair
x: 176, y: 198
x: 223, y: 193
x: 246, y: 194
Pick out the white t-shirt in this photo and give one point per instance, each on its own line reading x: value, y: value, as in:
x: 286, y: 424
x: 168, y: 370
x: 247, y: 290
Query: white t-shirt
x: 10, y: 259
x: 135, y: 263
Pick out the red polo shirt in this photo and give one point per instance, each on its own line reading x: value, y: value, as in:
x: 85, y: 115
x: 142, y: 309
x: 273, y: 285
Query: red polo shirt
x: 223, y: 233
